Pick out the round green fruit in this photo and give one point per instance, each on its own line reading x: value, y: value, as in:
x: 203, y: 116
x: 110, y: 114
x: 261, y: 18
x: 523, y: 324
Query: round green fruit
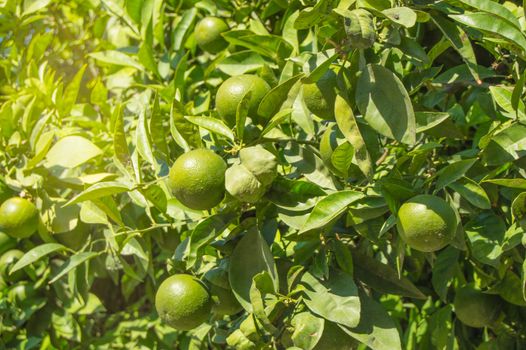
x: 197, y: 179
x: 243, y: 185
x: 18, y: 217
x: 320, y: 96
x: 7, y: 261
x: 75, y: 238
x: 426, y: 223
x: 474, y: 308
x: 183, y: 302
x: 226, y: 303
x: 260, y: 162
x: 207, y: 34
x: 232, y: 91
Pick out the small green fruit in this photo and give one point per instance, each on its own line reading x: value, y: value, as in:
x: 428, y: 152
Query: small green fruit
x: 260, y: 162
x: 243, y: 185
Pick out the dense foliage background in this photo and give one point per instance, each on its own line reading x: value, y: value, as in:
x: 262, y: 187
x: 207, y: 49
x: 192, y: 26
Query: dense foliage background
x: 99, y: 97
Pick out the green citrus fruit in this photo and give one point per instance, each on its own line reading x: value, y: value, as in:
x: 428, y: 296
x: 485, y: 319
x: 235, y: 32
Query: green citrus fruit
x: 232, y: 91
x: 334, y: 337
x: 426, y: 223
x: 260, y: 162
x: 208, y: 34
x: 319, y: 97
x: 183, y: 302
x: 198, y: 179
x: 18, y: 217
x: 243, y: 185
x: 474, y: 308
x: 226, y: 303
x: 7, y: 261
x: 6, y: 243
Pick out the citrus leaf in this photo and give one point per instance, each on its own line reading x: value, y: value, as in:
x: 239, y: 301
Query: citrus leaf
x: 329, y: 208
x: 250, y: 257
x: 71, y: 151
x: 36, y: 254
x: 472, y: 192
x: 212, y: 124
x: 385, y: 104
x: 335, y: 300
x: 72, y: 263
x: 99, y: 190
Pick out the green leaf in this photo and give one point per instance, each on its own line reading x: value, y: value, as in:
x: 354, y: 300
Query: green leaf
x: 116, y: 58
x: 503, y: 95
x: 506, y: 146
x: 240, y: 63
x: 120, y: 145
x: 335, y: 300
x: 444, y: 269
x: 494, y: 8
x: 359, y: 27
x: 382, y: 277
x: 36, y: 254
x: 101, y: 189
x: 262, y: 284
x: 342, y: 157
x: 459, y: 41
x: 385, y: 104
x: 329, y: 209
x: 401, y: 15
x: 317, y: 66
x: 212, y: 124
x: 71, y: 151
x: 71, y: 92
x: 349, y: 128
x: 453, y: 172
x: 143, y: 140
x: 472, y: 192
x: 492, y: 24
x: 272, y: 46
x: 273, y: 101
x: 486, y: 234
x: 511, y: 183
x: 183, y: 28
x: 72, y: 263
x: 250, y: 257
x: 241, y: 114
x: 311, y: 15
x: 31, y: 6
x: 308, y: 330
x: 376, y: 328
x: 428, y: 120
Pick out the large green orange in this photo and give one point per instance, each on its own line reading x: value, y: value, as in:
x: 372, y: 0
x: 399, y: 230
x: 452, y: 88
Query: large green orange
x: 183, y: 302
x: 320, y: 96
x: 474, y: 308
x: 226, y: 303
x: 197, y: 179
x: 333, y: 337
x: 232, y: 91
x: 207, y: 34
x: 18, y: 217
x: 426, y: 223
x: 7, y: 261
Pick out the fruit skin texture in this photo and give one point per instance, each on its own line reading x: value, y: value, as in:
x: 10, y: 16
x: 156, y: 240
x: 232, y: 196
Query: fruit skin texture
x: 319, y: 97
x: 18, y: 217
x: 227, y: 303
x: 208, y: 34
x: 7, y: 261
x: 232, y: 91
x: 243, y: 185
x: 426, y: 223
x: 183, y: 302
x: 260, y: 162
x: 475, y: 308
x: 334, y: 338
x: 197, y: 179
